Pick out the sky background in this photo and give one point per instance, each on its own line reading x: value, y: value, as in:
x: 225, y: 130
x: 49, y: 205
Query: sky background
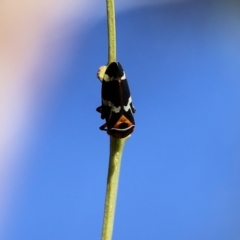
x: 180, y: 173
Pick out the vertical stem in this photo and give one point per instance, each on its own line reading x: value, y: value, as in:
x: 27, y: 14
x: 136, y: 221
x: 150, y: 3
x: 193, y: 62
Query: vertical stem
x: 116, y: 145
x: 111, y: 31
x: 116, y: 149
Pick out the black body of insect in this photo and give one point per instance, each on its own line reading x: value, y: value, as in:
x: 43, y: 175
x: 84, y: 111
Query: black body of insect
x: 117, y: 108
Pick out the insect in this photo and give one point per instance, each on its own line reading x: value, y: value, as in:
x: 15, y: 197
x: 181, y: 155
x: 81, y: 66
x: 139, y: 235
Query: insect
x: 117, y: 108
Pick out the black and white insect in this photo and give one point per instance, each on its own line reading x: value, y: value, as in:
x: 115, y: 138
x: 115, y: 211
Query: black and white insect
x: 117, y: 108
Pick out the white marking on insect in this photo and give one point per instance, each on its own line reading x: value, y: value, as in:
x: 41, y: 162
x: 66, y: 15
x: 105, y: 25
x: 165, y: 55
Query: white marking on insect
x: 101, y: 72
x: 124, y: 76
x: 128, y: 106
x: 109, y: 104
x: 106, y: 78
x: 106, y: 103
x: 116, y: 109
x: 122, y: 130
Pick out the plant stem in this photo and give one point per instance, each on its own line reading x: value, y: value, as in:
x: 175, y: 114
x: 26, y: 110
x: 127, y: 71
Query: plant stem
x: 116, y: 144
x: 111, y: 31
x: 116, y: 149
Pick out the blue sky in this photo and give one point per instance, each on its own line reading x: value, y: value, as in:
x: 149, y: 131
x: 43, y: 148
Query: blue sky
x: 180, y: 169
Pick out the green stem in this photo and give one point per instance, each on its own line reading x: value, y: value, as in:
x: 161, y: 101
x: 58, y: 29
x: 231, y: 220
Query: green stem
x: 116, y: 149
x: 111, y: 31
x: 116, y: 144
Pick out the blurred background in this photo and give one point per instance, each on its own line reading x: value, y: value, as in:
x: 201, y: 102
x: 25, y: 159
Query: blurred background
x: 180, y: 174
